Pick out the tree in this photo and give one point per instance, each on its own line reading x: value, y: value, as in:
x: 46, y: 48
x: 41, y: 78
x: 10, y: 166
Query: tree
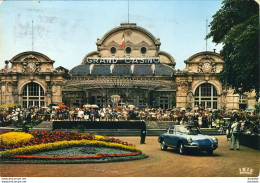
x: 25, y: 124
x: 236, y: 26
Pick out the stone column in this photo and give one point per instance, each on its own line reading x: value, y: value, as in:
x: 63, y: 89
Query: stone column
x: 147, y: 97
x: 223, y: 100
x: 190, y: 101
x: 1, y: 93
x: 127, y: 92
x: 15, y: 93
x: 86, y: 95
x: 48, y: 94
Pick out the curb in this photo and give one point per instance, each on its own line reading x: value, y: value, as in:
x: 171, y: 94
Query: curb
x: 104, y: 160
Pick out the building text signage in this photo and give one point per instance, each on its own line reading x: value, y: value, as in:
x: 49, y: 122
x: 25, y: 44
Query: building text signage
x: 148, y: 60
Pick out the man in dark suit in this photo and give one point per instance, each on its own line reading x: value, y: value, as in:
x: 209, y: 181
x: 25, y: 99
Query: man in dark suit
x: 204, y: 121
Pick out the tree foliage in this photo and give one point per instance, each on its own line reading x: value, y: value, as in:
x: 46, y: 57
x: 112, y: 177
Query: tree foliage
x: 25, y: 124
x: 236, y: 26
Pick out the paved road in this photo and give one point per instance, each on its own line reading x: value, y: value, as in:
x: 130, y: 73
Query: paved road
x: 223, y: 163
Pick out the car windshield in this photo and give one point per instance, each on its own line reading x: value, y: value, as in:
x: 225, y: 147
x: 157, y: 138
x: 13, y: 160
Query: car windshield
x: 191, y: 130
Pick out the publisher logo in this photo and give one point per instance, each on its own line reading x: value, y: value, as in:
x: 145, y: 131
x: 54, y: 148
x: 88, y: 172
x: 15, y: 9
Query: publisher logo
x: 246, y: 171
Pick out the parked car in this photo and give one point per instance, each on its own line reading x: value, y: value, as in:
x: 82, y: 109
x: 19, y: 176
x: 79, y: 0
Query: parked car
x: 187, y: 138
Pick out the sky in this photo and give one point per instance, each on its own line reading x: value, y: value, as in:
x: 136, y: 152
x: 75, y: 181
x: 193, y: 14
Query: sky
x: 66, y: 31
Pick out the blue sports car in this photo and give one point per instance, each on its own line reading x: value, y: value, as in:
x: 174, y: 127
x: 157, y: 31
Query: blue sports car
x: 187, y: 137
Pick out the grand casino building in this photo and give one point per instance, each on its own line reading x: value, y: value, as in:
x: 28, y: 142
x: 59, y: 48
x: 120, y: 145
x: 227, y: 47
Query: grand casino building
x: 138, y: 71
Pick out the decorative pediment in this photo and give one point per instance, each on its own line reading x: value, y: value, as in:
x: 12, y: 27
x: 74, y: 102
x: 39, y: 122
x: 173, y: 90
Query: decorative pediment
x: 143, y: 44
x: 112, y: 43
x: 207, y: 59
x: 205, y: 56
x: 31, y: 58
x: 129, y: 43
x: 128, y: 29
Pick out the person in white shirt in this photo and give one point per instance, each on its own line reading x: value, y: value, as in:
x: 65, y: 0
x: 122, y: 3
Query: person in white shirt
x: 235, y: 129
x: 80, y: 114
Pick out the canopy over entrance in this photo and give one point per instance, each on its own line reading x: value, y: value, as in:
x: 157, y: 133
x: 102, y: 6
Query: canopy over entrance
x: 124, y: 82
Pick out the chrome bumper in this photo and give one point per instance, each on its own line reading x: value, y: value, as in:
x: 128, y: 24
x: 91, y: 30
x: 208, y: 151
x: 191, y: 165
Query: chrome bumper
x: 198, y: 147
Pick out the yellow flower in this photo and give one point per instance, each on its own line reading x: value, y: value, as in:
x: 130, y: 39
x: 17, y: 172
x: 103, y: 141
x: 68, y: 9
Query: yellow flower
x: 63, y: 144
x: 15, y: 137
x: 98, y: 137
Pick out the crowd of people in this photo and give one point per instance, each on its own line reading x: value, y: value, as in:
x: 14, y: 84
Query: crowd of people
x: 202, y: 118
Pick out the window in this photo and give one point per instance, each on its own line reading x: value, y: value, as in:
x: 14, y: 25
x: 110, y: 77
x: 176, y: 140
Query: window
x: 178, y: 130
x: 141, y: 100
x: 143, y: 50
x: 99, y: 101
x: 164, y: 102
x: 32, y: 95
x: 243, y: 101
x: 171, y: 130
x: 206, y: 96
x: 128, y: 50
x: 113, y: 50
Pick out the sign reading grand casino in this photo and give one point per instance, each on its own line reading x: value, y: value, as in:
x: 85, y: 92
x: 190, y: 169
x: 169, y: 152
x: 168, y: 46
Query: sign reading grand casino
x: 148, y: 60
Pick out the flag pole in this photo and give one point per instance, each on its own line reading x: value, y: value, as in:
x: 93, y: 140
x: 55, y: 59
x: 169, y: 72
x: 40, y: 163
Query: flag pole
x: 123, y: 42
x: 32, y: 36
x: 206, y: 35
x: 128, y: 11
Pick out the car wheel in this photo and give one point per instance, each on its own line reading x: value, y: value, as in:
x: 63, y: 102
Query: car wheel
x: 163, y: 145
x: 210, y: 152
x: 182, y: 149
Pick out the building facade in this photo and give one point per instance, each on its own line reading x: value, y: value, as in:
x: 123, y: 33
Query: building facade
x: 128, y: 63
x: 31, y: 80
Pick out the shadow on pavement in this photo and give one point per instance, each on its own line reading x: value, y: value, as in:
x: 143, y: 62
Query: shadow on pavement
x: 194, y: 153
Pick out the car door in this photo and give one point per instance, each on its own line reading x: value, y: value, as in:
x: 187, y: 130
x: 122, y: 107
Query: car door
x: 178, y: 135
x: 174, y: 138
x: 171, y: 136
x: 166, y: 136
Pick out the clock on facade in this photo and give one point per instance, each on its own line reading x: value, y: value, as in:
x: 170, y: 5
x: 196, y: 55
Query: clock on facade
x: 207, y: 67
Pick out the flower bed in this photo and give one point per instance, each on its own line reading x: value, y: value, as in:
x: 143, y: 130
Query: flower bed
x: 98, y: 156
x: 43, y: 141
x: 15, y: 138
x: 42, y: 137
x: 60, y: 145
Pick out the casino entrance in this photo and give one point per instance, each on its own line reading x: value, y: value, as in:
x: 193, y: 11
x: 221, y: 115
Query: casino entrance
x: 136, y: 70
x: 146, y: 95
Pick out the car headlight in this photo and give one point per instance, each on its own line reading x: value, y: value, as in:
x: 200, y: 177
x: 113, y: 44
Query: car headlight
x: 189, y: 140
x: 215, y: 140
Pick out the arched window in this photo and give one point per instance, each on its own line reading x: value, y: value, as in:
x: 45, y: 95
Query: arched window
x: 243, y: 101
x: 32, y: 95
x: 206, y: 96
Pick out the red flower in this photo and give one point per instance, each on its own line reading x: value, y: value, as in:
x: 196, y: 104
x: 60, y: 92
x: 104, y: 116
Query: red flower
x: 75, y: 157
